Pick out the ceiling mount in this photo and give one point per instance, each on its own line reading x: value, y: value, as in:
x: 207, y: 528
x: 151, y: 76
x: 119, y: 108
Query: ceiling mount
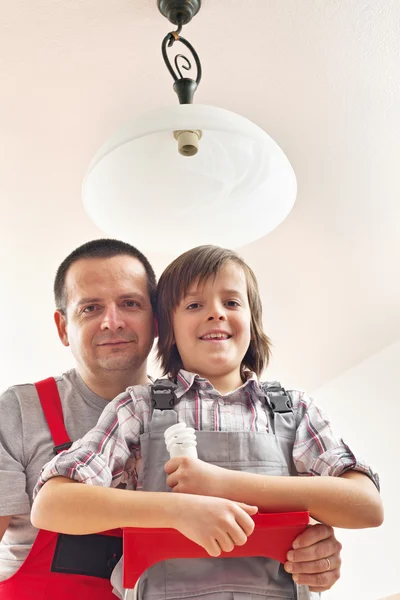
x: 179, y: 12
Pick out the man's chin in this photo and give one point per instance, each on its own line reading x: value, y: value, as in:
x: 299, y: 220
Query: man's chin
x: 119, y: 363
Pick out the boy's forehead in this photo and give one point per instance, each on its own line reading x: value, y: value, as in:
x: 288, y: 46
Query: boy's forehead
x: 229, y: 276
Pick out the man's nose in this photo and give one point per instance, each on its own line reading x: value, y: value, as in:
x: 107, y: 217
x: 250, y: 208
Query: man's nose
x: 112, y: 319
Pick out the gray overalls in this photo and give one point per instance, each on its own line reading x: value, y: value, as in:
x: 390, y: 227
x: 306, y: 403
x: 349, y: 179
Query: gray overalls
x: 269, y: 453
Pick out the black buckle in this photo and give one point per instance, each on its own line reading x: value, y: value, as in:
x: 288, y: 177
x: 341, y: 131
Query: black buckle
x: 279, y: 400
x: 163, y: 394
x: 62, y: 447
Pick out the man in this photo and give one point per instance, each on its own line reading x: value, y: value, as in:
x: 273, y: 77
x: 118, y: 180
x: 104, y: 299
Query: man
x: 104, y: 293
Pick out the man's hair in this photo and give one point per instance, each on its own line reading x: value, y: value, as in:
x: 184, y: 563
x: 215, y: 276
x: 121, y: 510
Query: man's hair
x: 197, y: 265
x: 102, y: 248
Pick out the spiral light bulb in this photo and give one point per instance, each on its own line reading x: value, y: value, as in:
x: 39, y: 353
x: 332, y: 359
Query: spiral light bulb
x: 181, y: 440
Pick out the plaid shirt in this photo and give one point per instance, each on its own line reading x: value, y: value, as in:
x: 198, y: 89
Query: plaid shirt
x: 109, y: 455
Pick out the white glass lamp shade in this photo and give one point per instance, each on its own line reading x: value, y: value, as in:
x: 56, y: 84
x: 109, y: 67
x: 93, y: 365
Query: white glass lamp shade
x: 236, y: 189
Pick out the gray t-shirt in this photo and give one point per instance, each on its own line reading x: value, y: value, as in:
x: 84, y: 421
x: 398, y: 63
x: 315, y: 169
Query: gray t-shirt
x: 26, y: 446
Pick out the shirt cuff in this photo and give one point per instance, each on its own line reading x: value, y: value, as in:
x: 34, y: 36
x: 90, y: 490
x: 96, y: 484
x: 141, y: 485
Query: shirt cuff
x: 76, y: 464
x: 336, y: 461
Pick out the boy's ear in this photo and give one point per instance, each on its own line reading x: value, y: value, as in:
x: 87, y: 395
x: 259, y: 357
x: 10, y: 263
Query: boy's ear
x: 61, y: 324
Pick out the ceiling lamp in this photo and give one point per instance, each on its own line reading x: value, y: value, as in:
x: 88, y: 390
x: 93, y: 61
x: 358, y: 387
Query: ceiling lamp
x: 188, y: 174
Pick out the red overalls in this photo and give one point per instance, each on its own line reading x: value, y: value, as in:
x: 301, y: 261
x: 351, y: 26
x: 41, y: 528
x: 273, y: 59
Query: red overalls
x: 64, y: 567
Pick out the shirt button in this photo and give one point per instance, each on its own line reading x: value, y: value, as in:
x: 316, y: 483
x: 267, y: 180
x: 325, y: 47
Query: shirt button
x: 221, y: 402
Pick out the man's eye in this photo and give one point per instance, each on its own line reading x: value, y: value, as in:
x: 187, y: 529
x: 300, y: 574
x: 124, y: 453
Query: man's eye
x: 89, y: 309
x: 131, y: 303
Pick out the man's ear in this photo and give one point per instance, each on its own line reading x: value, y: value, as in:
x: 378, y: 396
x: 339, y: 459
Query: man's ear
x: 61, y: 324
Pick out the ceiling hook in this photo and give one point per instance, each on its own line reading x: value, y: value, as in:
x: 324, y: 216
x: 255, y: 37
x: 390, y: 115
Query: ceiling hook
x: 174, y: 35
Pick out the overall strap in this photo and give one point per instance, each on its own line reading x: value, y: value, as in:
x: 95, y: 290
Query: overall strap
x: 51, y: 405
x: 281, y: 408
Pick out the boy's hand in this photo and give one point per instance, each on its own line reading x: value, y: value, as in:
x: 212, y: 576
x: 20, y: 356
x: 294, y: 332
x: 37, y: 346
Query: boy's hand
x: 308, y: 558
x: 194, y: 476
x: 215, y: 524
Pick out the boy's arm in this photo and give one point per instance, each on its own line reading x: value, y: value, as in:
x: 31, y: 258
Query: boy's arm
x: 66, y: 506
x: 334, y: 485
x: 349, y: 501
x: 216, y: 524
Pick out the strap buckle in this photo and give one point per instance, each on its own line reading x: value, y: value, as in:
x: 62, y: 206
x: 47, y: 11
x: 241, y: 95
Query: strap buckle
x: 61, y: 447
x: 163, y: 394
x: 278, y: 398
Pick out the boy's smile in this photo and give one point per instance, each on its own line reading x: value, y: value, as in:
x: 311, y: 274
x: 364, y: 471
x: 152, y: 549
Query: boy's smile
x: 215, y: 335
x: 212, y: 327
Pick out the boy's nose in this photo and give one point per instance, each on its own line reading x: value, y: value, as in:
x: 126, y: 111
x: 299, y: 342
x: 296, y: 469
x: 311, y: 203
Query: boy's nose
x: 217, y: 314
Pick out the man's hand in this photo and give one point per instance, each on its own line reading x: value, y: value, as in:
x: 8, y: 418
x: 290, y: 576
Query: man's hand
x: 313, y: 552
x: 194, y: 476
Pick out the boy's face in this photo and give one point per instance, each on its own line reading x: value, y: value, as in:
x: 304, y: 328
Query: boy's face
x: 212, y: 325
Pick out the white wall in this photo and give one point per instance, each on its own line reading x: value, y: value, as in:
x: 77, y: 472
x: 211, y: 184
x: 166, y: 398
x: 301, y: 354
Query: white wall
x: 364, y: 406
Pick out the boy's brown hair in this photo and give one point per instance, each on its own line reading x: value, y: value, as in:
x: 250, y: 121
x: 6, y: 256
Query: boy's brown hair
x: 197, y: 265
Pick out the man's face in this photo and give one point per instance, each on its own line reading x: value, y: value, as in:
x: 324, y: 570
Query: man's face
x: 109, y: 322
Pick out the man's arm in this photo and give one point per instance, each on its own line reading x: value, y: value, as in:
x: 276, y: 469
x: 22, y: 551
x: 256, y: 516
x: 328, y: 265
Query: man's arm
x: 4, y: 522
x: 216, y: 524
x: 14, y: 499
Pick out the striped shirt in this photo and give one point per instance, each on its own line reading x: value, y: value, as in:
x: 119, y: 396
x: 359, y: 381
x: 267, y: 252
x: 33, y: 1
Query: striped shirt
x: 109, y: 455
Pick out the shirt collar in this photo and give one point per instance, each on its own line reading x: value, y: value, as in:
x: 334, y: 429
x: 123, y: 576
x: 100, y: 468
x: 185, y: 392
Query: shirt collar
x: 186, y: 380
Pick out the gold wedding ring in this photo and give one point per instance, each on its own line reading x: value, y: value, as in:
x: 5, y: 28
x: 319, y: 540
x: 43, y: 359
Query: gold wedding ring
x: 329, y: 564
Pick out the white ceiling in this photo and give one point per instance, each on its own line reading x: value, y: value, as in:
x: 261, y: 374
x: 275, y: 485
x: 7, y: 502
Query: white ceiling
x: 321, y: 77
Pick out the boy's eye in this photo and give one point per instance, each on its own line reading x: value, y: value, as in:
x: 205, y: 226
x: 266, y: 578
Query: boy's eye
x: 232, y: 303
x: 193, y: 305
